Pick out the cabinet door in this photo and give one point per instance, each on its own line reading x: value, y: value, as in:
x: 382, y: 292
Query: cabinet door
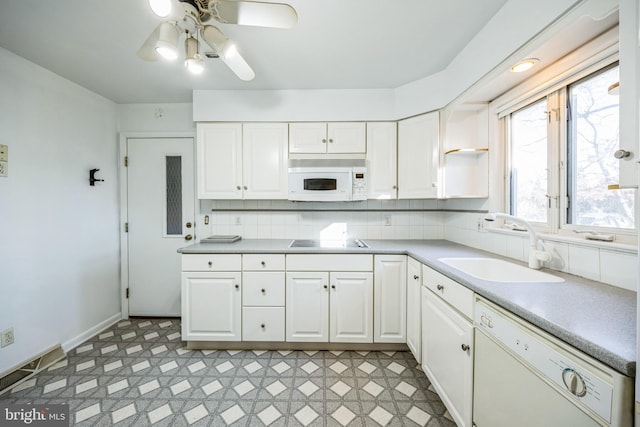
x: 418, y: 157
x: 447, y: 364
x: 348, y: 137
x: 219, y: 159
x: 307, y: 306
x: 351, y: 307
x: 307, y: 137
x: 414, y: 327
x: 211, y: 306
x: 382, y: 159
x: 264, y: 165
x: 390, y: 302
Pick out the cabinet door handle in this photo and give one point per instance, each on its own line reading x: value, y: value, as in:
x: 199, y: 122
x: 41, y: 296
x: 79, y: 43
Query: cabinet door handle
x: 333, y: 286
x: 239, y: 188
x: 465, y: 347
x: 440, y: 287
x: 245, y: 187
x: 416, y: 277
x: 263, y: 291
x: 326, y: 287
x: 210, y: 264
x: 331, y: 140
x: 262, y: 326
x: 324, y: 141
x: 188, y: 237
x: 237, y: 286
x: 264, y: 264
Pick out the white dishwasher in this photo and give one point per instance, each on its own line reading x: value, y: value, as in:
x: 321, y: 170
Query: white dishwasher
x: 524, y: 377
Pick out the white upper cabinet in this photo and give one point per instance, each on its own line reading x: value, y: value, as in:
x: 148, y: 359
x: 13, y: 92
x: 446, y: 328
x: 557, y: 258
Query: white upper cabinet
x: 219, y: 159
x: 264, y: 165
x: 382, y: 159
x: 418, y: 140
x: 327, y: 138
x: 242, y: 161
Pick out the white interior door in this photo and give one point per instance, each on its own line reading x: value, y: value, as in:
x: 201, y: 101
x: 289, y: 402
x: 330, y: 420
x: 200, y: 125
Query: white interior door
x: 160, y: 217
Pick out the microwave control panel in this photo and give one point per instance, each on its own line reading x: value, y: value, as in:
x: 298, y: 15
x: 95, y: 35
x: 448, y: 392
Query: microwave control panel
x: 359, y: 184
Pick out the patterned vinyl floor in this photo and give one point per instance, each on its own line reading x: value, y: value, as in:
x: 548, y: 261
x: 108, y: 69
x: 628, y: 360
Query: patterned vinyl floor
x: 139, y: 373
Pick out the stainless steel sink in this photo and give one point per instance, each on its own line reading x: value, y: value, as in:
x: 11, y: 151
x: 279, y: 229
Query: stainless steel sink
x: 312, y: 243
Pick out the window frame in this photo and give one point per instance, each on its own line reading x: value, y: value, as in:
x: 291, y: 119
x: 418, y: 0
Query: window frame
x: 555, y: 90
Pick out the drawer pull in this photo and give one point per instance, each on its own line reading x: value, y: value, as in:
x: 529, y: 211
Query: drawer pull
x: 237, y: 286
x: 465, y: 347
x: 210, y: 263
x: 440, y: 287
x: 263, y: 291
x: 264, y: 264
x: 416, y: 277
x: 262, y: 326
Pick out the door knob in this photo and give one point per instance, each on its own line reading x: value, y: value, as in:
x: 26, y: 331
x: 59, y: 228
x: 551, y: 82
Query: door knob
x: 465, y: 347
x: 416, y: 277
x: 188, y: 237
x: 621, y: 154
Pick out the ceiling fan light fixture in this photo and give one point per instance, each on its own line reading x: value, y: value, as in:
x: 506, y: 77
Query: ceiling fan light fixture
x: 162, y: 8
x: 193, y: 60
x: 524, y: 65
x: 167, y: 43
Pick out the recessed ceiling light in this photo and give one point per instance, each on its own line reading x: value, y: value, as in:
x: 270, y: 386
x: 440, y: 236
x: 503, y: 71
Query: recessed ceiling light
x: 524, y: 65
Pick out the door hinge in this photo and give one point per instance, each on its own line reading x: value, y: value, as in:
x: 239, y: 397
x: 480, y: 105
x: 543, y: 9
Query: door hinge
x: 126, y: 227
x: 126, y: 161
x: 127, y: 294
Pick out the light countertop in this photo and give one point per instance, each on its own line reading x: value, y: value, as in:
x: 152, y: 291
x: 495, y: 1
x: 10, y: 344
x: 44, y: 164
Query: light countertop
x: 596, y: 318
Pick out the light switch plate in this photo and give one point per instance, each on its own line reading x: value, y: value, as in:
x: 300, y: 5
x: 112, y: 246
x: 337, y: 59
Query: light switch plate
x: 4, y: 153
x: 4, y: 169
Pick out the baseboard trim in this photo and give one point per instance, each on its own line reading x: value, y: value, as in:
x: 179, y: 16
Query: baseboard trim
x: 79, y: 339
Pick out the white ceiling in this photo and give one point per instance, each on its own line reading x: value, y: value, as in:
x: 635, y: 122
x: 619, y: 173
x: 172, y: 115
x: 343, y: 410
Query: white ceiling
x: 337, y: 44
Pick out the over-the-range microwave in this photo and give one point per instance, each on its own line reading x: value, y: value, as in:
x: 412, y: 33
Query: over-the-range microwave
x: 327, y: 180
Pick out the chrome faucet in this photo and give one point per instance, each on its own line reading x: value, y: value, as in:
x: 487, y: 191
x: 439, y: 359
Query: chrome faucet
x: 536, y: 256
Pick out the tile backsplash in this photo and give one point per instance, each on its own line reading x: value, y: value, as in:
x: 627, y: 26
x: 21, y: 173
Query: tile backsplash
x: 617, y: 266
x: 372, y: 219
x: 410, y: 219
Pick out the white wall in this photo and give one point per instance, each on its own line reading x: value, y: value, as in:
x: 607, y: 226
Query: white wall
x: 155, y: 117
x: 59, y: 252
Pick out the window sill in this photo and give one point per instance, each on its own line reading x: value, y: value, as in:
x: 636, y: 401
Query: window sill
x: 575, y: 241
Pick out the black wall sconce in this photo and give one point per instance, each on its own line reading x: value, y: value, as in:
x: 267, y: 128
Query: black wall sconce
x: 92, y: 177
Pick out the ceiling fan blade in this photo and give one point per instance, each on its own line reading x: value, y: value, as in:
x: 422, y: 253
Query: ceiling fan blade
x: 227, y: 51
x: 147, y: 51
x: 274, y: 15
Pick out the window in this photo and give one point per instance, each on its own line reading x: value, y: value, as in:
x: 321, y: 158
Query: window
x: 529, y: 162
x: 561, y: 159
x: 592, y: 134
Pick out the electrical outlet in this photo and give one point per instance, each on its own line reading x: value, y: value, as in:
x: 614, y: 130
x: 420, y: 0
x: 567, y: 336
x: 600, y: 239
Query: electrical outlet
x: 4, y: 153
x: 7, y: 337
x: 387, y: 220
x: 4, y: 168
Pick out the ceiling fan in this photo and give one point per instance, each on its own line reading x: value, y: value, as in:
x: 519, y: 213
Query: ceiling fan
x: 192, y: 17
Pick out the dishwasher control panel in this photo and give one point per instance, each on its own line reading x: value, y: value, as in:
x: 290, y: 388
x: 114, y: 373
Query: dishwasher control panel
x: 561, y: 368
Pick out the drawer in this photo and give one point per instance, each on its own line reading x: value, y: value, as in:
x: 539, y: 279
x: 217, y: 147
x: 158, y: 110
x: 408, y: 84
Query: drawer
x: 330, y: 262
x: 263, y: 324
x: 211, y: 262
x: 263, y: 289
x: 262, y: 262
x: 460, y: 297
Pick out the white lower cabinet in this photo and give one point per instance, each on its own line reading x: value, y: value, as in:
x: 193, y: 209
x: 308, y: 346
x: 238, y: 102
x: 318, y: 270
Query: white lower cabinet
x: 263, y: 297
x: 263, y: 323
x: 414, y: 322
x: 448, y: 346
x: 390, y: 302
x: 211, y: 306
x: 329, y: 307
